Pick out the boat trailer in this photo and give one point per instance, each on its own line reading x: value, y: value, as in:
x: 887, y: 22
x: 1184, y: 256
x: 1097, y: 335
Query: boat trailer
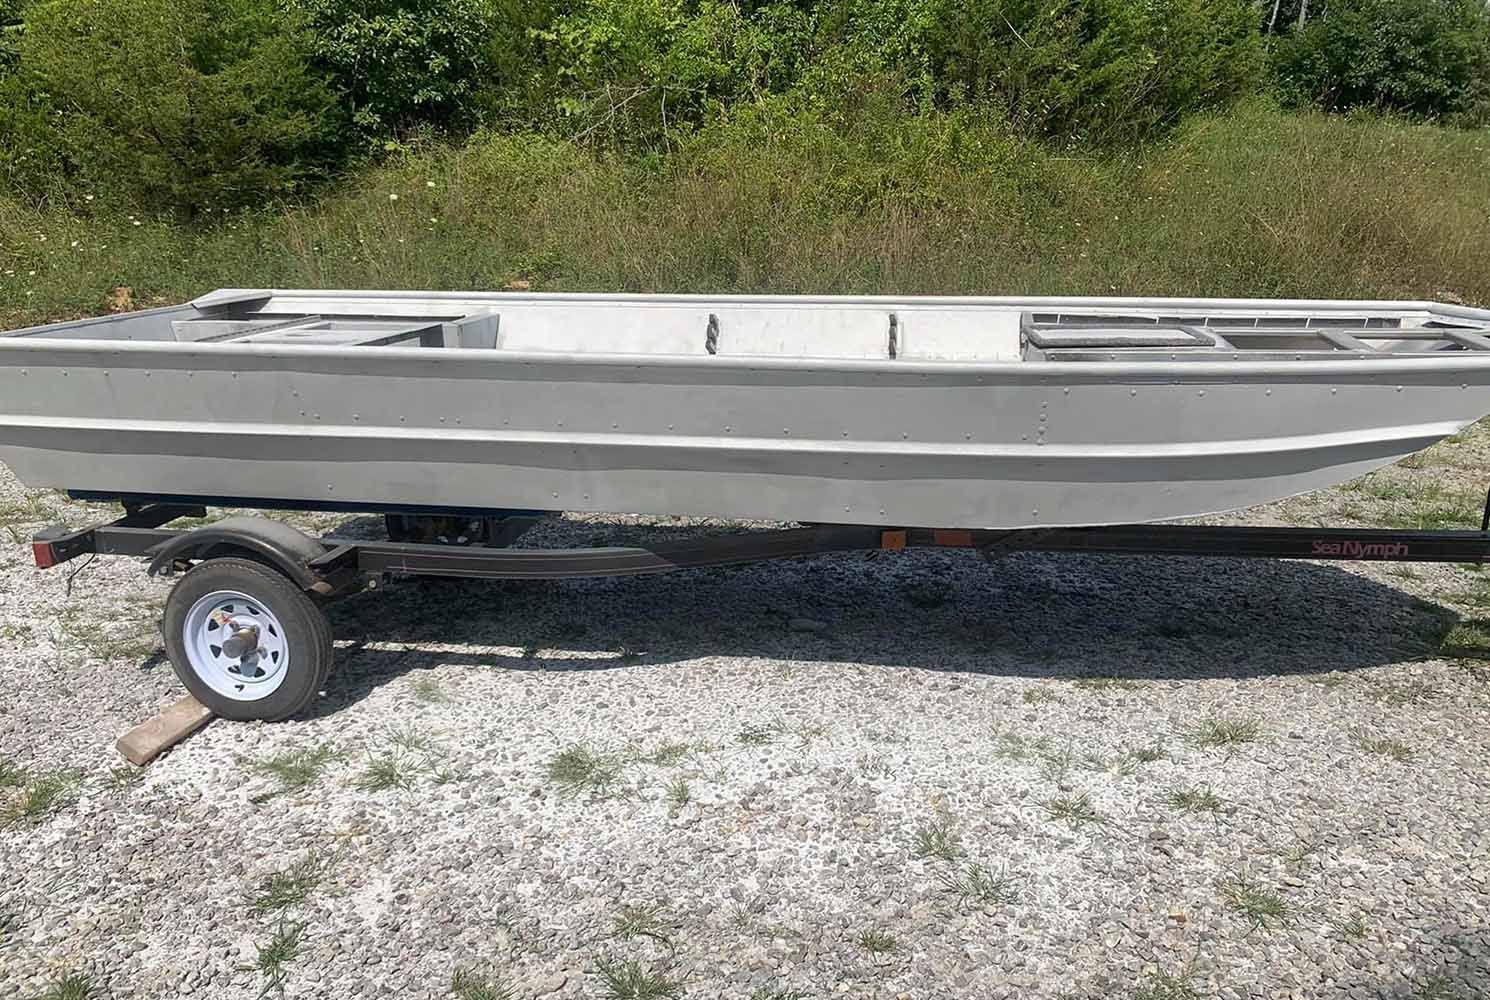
x: 246, y: 633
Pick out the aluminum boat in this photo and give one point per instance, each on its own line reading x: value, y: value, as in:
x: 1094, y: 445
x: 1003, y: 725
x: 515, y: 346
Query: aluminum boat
x: 932, y: 412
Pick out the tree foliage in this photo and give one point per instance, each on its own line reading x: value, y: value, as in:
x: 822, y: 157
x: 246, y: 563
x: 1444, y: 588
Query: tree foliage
x: 179, y: 104
x: 399, y: 63
x: 1424, y: 57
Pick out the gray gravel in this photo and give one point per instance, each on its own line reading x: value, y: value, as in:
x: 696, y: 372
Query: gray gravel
x: 831, y: 708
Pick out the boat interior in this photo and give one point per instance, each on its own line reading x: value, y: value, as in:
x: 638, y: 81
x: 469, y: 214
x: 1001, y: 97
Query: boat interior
x: 912, y: 329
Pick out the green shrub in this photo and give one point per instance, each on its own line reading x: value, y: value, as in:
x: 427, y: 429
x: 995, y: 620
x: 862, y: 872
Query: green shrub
x: 166, y: 104
x: 1424, y: 57
x: 1096, y: 69
x: 400, y: 63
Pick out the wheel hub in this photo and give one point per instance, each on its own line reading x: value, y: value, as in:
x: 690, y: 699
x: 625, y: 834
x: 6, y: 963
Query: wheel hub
x: 236, y: 645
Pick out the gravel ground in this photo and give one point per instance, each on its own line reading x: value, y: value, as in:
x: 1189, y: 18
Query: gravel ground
x: 917, y: 775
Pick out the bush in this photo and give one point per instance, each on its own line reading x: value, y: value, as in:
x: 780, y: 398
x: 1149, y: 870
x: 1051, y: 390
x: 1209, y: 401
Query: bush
x: 181, y: 104
x: 1425, y: 57
x: 1102, y: 69
x: 1096, y: 69
x: 400, y: 63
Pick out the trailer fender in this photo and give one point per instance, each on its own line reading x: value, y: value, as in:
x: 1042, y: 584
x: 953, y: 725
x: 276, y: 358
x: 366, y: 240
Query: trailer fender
x: 273, y: 542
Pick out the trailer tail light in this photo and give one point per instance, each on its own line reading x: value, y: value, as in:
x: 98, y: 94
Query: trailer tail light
x: 45, y: 556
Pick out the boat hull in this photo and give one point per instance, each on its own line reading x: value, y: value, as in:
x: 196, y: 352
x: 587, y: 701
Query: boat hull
x: 1004, y: 445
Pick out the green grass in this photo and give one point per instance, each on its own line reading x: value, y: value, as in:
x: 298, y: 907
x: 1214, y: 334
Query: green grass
x: 11, y: 775
x: 1258, y: 904
x: 1191, y: 800
x: 1219, y: 733
x: 578, y: 769
x: 296, y: 769
x: 124, y: 776
x: 1468, y: 638
x: 642, y: 921
x: 1074, y: 810
x: 634, y: 980
x: 1384, y: 746
x: 282, y: 890
x: 388, y: 770
x: 40, y: 796
x: 1149, y: 754
x: 1441, y: 987
x: 1166, y: 986
x: 757, y: 734
x: 470, y: 984
x: 669, y: 753
x: 429, y: 691
x: 877, y: 942
x: 937, y: 839
x: 1251, y: 202
x: 977, y: 884
x: 274, y: 957
x: 679, y: 792
x: 1041, y: 696
x: 72, y: 986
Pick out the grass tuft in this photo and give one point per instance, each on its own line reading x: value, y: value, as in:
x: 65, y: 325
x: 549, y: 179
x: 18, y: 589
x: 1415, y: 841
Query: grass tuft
x: 71, y: 986
x: 292, y: 887
x: 1262, y: 906
x: 976, y: 884
x: 878, y: 942
x: 1227, y: 733
x: 577, y: 769
x: 1149, y: 754
x: 1076, y: 810
x: 757, y: 735
x: 274, y: 957
x: 296, y: 769
x: 428, y: 691
x: 1165, y: 986
x: 388, y: 770
x: 39, y: 797
x: 679, y: 792
x: 939, y: 840
x: 632, y: 980
x: 668, y: 754
x: 1384, y: 746
x: 1105, y: 684
x: 1195, y: 800
x: 642, y: 921
x: 469, y: 984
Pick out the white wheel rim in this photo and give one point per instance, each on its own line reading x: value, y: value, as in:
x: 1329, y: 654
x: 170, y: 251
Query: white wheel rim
x: 217, y: 627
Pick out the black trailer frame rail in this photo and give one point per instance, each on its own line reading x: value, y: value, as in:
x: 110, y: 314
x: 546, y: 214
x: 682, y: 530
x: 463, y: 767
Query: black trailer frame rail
x: 346, y: 564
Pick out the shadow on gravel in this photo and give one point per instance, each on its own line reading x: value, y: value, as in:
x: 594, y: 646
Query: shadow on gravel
x: 1032, y: 615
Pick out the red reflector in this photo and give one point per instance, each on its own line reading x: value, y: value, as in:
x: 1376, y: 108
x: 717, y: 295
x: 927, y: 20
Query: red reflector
x: 892, y: 539
x: 952, y: 539
x: 43, y: 554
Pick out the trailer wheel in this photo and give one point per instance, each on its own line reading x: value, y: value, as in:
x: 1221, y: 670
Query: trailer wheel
x: 246, y: 641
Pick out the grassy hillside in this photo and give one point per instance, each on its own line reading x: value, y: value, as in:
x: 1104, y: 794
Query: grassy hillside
x: 1253, y: 202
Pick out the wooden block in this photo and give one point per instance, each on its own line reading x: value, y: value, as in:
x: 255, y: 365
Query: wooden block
x: 149, y: 740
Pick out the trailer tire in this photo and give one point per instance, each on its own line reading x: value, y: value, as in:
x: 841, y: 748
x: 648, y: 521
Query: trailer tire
x: 246, y: 641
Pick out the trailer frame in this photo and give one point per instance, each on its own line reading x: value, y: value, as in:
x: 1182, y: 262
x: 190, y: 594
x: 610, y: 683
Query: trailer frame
x: 269, y: 580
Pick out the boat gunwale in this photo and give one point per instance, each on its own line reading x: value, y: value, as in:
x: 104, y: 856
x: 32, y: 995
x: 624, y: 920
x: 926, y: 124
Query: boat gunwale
x: 225, y: 296
x: 457, y: 362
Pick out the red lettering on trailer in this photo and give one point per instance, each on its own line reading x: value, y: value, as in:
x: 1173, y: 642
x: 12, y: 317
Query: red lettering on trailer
x: 1350, y: 549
